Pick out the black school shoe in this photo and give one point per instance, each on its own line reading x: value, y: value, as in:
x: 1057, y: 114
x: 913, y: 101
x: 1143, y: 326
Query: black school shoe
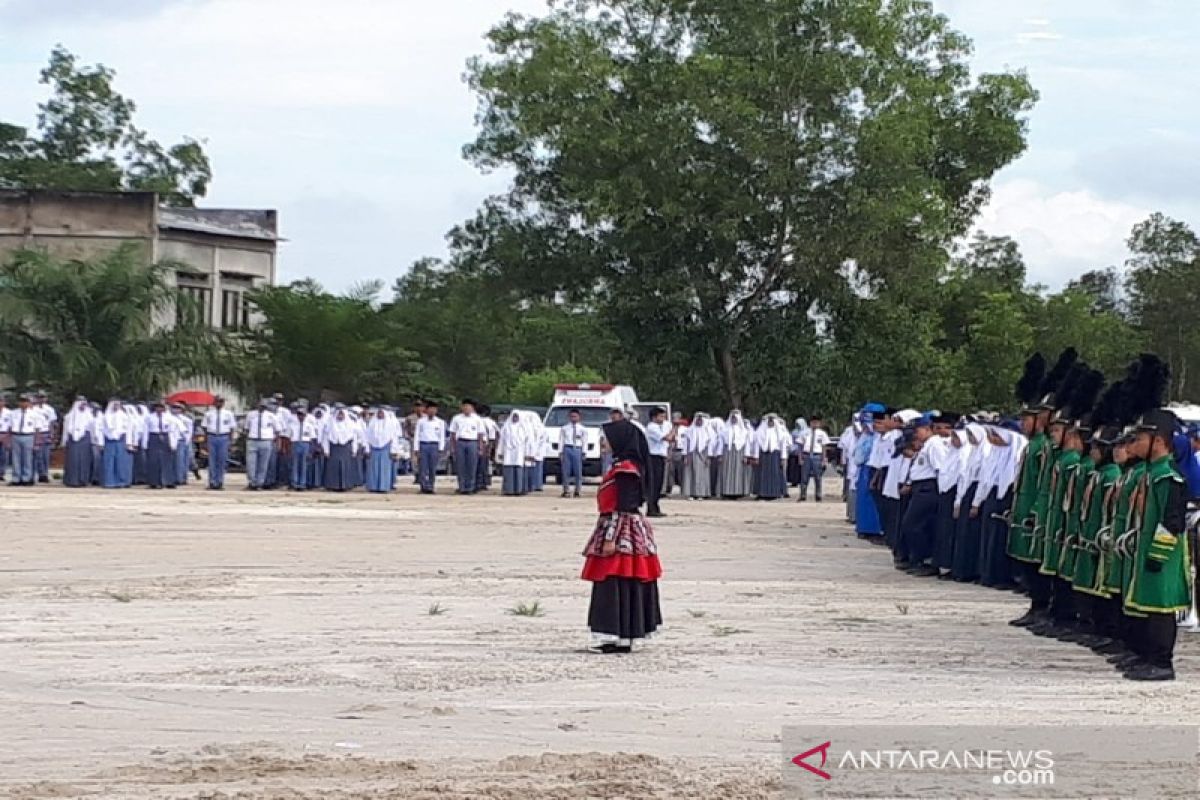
x: 1149, y: 672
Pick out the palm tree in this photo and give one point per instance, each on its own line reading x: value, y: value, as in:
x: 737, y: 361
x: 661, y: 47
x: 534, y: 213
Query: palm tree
x: 99, y: 326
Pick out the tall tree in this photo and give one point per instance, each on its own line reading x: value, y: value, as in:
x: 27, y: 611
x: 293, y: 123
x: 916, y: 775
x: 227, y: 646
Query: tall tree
x: 717, y: 159
x: 319, y: 345
x: 1164, y: 291
x: 98, y: 327
x: 1103, y: 286
x: 86, y: 139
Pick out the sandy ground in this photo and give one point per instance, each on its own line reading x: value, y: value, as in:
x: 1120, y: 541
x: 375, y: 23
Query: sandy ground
x: 234, y: 645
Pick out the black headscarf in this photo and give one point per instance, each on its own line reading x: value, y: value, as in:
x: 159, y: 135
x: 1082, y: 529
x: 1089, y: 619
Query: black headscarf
x: 627, y: 443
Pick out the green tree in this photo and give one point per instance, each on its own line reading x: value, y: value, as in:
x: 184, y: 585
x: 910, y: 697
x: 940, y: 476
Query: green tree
x: 98, y: 327
x: 1106, y: 340
x: 86, y: 139
x: 1164, y: 289
x: 710, y: 161
x: 999, y: 339
x: 537, y: 388
x: 330, y: 347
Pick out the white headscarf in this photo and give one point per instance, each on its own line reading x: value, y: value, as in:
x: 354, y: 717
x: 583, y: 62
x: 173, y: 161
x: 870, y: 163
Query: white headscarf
x: 698, y: 434
x: 737, y: 431
x: 773, y: 438
x: 116, y: 420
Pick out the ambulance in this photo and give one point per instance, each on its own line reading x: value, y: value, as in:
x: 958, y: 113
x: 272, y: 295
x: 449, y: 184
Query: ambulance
x: 594, y: 402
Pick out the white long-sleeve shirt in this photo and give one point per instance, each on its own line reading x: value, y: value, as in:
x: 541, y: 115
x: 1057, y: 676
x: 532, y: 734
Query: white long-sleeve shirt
x: 431, y: 430
x: 219, y: 421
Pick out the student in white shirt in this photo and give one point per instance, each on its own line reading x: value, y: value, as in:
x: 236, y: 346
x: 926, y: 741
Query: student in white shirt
x: 162, y: 436
x: 261, y: 431
x: 659, y: 436
x: 220, y: 429
x: 5, y: 413
x: 812, y: 457
x: 339, y: 439
x: 382, y: 431
x: 466, y: 430
x: 304, y: 437
x: 77, y: 444
x: 26, y: 423
x: 43, y: 443
x: 430, y: 435
x: 184, y: 450
x: 515, y: 450
x: 572, y: 444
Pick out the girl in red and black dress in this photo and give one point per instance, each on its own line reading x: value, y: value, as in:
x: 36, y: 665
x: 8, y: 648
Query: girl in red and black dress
x: 622, y: 558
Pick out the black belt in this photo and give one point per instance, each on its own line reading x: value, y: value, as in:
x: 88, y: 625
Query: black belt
x: 924, y: 483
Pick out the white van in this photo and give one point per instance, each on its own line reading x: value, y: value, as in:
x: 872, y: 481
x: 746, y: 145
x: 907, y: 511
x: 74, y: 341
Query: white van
x: 594, y: 402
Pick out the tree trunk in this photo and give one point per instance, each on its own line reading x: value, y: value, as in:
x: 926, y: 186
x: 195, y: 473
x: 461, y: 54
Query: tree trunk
x: 727, y: 366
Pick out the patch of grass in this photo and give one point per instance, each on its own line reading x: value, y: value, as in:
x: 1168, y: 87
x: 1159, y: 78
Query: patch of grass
x: 902, y: 608
x: 697, y: 614
x: 436, y: 610
x: 120, y: 597
x: 726, y: 630
x: 533, y: 609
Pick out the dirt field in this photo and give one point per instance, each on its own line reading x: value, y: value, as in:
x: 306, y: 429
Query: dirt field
x: 204, y: 645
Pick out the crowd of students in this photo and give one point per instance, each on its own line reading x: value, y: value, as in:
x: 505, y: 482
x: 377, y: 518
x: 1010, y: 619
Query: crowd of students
x: 1079, y: 501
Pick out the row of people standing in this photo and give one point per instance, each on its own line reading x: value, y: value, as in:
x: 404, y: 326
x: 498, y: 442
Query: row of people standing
x: 733, y: 458
x: 1077, y: 503
x: 26, y: 438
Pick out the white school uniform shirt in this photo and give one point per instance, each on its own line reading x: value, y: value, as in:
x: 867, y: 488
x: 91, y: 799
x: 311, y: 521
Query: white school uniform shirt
x: 304, y: 430
x: 26, y: 421
x: 98, y: 428
x: 896, y: 471
x: 187, y: 425
x: 515, y: 444
x: 923, y: 466
x: 284, y: 417
x: 467, y: 427
x: 339, y: 431
x: 261, y: 425
x: 382, y: 432
x: 217, y: 422
x: 5, y: 419
x: 883, y: 450
x: 166, y: 423
x: 944, y: 458
x: 573, y: 434
x: 656, y: 438
x: 78, y: 424
x: 431, y: 430
x: 48, y: 413
x: 716, y: 436
x: 814, y: 442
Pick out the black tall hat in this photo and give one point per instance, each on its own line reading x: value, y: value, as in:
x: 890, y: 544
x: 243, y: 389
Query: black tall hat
x: 1160, y: 422
x: 1031, y: 381
x: 1053, y: 380
x: 1084, y: 399
x: 1064, y: 395
x: 1148, y: 377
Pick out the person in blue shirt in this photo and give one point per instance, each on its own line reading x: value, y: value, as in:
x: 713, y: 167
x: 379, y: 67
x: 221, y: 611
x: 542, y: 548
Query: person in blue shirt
x: 1187, y: 455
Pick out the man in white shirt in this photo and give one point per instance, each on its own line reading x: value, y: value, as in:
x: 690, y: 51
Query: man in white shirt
x: 5, y: 422
x: 43, y: 443
x: 304, y: 435
x: 466, y: 430
x: 261, y: 430
x: 280, y: 471
x: 220, y: 429
x: 812, y: 457
x: 429, y: 433
x: 918, y: 529
x: 26, y: 423
x: 572, y: 443
x: 659, y: 436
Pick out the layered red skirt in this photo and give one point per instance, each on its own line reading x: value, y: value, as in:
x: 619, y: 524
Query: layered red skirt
x: 637, y: 553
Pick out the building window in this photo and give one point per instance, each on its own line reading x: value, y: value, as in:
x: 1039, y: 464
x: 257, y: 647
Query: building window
x: 194, y: 306
x: 234, y: 310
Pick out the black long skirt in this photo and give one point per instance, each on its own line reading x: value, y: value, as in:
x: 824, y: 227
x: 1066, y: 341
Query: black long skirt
x: 626, y: 608
x: 340, y: 468
x: 77, y: 471
x: 943, y: 554
x: 965, y: 563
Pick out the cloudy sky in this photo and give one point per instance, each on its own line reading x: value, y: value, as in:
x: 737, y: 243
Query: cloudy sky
x: 350, y: 117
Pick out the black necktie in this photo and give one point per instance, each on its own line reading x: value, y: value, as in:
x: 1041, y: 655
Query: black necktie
x: 21, y: 426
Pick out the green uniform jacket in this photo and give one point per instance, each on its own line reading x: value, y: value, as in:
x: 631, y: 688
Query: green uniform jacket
x: 1074, y: 511
x: 1162, y: 567
x: 1098, y: 503
x: 1113, y: 562
x: 1063, y: 478
x: 1033, y: 466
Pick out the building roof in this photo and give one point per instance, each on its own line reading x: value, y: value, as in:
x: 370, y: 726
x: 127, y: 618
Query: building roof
x: 243, y: 223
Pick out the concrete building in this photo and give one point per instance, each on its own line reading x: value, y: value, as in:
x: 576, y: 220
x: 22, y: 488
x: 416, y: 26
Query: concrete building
x: 217, y: 254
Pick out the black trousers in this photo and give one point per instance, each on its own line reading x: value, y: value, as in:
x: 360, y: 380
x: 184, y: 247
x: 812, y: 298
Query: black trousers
x: 658, y: 471
x: 1062, y: 600
x: 1038, y: 586
x: 918, y: 529
x: 1158, y: 632
x: 943, y: 554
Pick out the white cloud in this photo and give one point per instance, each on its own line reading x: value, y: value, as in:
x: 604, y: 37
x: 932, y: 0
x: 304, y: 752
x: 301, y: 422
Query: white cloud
x: 1039, y: 22
x: 1038, y: 36
x: 1062, y: 234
